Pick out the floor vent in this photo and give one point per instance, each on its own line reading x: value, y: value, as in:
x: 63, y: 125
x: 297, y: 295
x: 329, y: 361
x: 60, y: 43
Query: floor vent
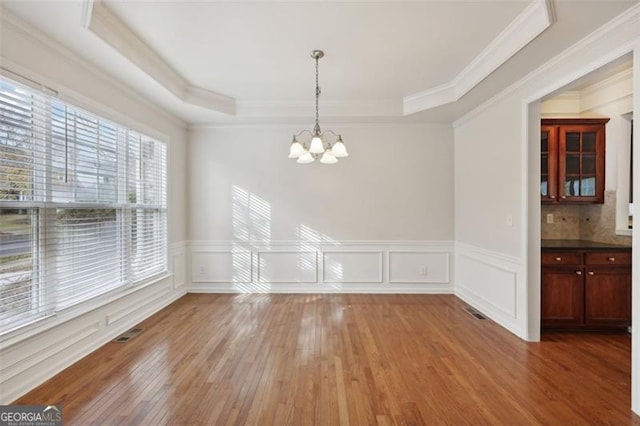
x: 476, y: 313
x: 128, y: 335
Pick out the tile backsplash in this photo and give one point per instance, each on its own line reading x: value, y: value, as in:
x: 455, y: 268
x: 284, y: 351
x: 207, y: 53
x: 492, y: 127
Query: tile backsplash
x: 593, y: 222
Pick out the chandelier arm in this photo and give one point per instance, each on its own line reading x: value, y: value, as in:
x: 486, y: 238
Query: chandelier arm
x: 301, y: 132
x: 330, y: 131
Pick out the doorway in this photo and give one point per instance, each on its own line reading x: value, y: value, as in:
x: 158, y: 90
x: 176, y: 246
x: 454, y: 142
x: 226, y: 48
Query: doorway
x: 532, y: 113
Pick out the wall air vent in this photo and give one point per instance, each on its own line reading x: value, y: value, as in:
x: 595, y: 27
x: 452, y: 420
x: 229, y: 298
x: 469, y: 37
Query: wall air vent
x: 128, y: 335
x: 476, y: 313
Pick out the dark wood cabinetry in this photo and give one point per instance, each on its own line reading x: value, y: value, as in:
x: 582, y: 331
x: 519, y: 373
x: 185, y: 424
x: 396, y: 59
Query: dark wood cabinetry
x: 562, y: 297
x: 572, y: 160
x: 586, y: 289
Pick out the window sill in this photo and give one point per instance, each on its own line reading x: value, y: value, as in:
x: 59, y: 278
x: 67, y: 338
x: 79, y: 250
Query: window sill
x: 624, y: 232
x: 58, y: 318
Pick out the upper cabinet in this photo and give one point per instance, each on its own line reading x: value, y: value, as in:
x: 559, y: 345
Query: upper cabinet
x: 572, y: 160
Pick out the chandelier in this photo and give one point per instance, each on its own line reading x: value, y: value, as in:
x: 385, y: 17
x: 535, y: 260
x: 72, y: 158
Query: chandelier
x: 318, y: 145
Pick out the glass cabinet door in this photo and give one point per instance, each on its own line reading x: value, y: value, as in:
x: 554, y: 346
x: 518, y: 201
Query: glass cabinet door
x: 548, y: 163
x: 581, y: 163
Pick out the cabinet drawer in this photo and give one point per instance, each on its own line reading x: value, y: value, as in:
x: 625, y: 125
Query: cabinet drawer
x: 561, y: 258
x: 608, y: 258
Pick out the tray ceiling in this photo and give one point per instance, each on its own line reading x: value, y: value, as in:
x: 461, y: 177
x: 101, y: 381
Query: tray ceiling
x: 221, y: 61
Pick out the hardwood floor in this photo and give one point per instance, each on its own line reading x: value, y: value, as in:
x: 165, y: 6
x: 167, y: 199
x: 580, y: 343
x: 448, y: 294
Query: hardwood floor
x: 342, y: 360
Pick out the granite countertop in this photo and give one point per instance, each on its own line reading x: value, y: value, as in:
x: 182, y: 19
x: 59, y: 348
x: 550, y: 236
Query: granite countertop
x: 580, y: 245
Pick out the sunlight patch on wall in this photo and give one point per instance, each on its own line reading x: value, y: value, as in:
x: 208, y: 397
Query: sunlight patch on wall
x: 251, y: 222
x: 310, y: 239
x: 250, y: 216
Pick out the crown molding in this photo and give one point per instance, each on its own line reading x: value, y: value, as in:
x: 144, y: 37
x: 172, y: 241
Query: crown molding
x: 387, y: 122
x: 630, y: 17
x: 571, y: 95
x: 623, y: 77
x: 536, y: 17
x: 564, y: 103
x: 107, y: 26
x: 12, y: 22
x: 530, y: 23
x: 355, y: 108
x: 615, y: 88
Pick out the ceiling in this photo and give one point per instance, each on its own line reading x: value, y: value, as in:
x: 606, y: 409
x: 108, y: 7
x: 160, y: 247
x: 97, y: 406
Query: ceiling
x: 237, y: 61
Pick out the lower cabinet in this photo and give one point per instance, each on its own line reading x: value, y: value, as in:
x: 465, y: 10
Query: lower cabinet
x: 607, y: 295
x: 586, y: 290
x: 562, y: 297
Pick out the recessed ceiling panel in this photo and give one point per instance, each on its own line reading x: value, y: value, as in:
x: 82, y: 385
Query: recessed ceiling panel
x: 374, y: 50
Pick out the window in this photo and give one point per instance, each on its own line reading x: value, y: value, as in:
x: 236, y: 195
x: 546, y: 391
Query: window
x: 82, y: 206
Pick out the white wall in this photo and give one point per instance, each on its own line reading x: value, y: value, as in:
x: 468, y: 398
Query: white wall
x: 491, y: 180
x: 391, y: 197
x: 487, y: 180
x: 61, y: 340
x: 395, y: 185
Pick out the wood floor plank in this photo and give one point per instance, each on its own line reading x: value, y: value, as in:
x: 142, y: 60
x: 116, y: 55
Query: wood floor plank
x: 341, y: 360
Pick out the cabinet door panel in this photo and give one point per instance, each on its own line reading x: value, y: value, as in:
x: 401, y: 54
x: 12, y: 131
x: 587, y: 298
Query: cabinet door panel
x: 608, y: 297
x: 581, y: 163
x: 562, y: 297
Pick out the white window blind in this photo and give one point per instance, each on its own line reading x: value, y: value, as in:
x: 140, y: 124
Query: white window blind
x: 146, y: 192
x: 82, y: 206
x: 21, y: 114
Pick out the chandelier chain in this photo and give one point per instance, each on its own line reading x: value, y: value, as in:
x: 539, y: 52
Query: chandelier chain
x: 317, y: 95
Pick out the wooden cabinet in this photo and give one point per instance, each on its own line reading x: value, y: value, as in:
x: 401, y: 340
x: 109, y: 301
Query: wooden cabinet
x: 562, y: 297
x: 607, y: 292
x: 572, y: 160
x: 586, y: 289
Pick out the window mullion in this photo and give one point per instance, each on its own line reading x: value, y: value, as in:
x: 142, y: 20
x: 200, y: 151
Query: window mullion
x: 49, y: 247
x: 44, y: 259
x: 123, y: 216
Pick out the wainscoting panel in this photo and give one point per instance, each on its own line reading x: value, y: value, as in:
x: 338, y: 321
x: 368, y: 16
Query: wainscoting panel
x: 14, y: 360
x: 287, y: 266
x: 178, y: 266
x: 29, y: 361
x: 489, y: 281
x: 320, y: 267
x: 418, y: 266
x: 222, y: 266
x: 352, y: 266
